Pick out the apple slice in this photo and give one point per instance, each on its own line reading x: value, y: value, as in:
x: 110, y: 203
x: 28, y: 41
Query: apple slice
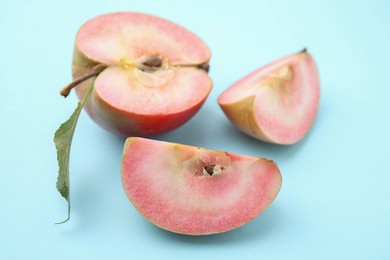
x: 195, y: 191
x: 276, y: 103
x: 151, y: 74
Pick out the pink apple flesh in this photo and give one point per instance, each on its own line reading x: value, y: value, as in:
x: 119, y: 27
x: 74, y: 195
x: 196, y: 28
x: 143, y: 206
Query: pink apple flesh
x: 195, y: 191
x: 276, y: 103
x: 156, y: 77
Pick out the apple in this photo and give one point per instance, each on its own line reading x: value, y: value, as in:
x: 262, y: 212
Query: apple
x: 150, y: 75
x: 276, y: 103
x: 196, y: 191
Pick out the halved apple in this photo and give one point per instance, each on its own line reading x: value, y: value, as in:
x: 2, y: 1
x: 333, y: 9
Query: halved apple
x: 151, y: 73
x: 276, y: 103
x: 195, y: 191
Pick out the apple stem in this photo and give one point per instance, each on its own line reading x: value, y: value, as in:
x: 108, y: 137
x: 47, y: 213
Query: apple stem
x: 95, y: 71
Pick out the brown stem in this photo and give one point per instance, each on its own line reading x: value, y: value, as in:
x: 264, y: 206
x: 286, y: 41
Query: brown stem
x: 95, y: 71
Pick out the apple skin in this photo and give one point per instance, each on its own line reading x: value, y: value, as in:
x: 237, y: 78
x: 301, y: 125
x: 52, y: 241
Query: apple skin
x: 173, y: 187
x: 132, y: 123
x: 272, y: 108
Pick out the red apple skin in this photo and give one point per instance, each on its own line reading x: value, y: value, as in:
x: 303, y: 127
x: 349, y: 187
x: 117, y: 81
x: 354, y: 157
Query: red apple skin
x: 167, y: 184
x: 247, y: 112
x: 131, y: 124
x: 111, y: 116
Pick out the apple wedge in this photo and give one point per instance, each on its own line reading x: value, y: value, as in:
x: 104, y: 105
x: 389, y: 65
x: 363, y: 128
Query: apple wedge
x: 150, y: 75
x: 276, y: 103
x: 195, y: 191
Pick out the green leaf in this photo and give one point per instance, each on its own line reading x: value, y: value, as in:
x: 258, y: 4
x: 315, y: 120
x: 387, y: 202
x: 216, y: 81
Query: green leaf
x: 63, y: 140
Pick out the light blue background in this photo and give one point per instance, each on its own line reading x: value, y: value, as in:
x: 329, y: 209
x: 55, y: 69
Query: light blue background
x: 334, y: 202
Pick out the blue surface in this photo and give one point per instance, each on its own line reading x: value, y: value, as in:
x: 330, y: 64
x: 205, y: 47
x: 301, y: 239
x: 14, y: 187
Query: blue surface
x: 334, y: 202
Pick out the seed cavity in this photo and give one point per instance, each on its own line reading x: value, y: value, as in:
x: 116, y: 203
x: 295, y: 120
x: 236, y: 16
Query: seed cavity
x: 281, y: 78
x: 213, y: 169
x: 153, y: 61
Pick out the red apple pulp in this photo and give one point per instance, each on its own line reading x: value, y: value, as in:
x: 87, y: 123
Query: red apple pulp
x: 154, y: 77
x: 276, y: 103
x: 195, y: 191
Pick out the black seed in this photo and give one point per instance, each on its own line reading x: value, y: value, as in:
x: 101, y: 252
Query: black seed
x: 209, y: 169
x: 153, y: 61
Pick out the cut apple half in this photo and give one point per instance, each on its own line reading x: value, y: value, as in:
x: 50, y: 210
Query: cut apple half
x: 152, y: 74
x: 196, y: 191
x: 276, y: 103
